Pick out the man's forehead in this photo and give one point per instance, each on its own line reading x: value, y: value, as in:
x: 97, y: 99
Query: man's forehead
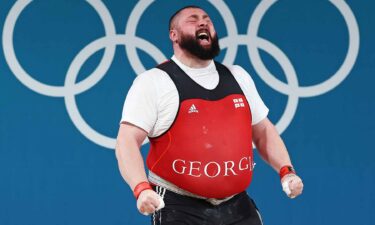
x: 193, y: 12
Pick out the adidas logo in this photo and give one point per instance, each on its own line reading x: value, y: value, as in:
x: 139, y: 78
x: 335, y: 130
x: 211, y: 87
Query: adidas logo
x: 193, y: 109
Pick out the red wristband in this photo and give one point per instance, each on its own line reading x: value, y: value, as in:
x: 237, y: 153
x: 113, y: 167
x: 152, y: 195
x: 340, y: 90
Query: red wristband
x: 141, y: 187
x: 286, y: 170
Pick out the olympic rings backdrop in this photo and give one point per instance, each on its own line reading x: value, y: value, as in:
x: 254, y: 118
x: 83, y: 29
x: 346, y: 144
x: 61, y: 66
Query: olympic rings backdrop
x: 66, y: 66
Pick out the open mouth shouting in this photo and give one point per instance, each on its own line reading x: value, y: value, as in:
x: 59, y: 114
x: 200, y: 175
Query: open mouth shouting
x: 203, y: 37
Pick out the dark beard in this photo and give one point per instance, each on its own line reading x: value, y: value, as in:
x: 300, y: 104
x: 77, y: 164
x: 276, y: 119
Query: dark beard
x: 191, y: 44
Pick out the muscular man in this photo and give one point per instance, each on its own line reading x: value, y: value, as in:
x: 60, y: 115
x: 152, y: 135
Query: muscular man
x: 201, y: 118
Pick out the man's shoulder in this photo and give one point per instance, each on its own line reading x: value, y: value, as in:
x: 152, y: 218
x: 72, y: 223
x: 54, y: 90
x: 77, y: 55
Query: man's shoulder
x: 239, y: 72
x: 236, y: 69
x: 155, y: 80
x: 152, y: 75
x: 242, y: 77
x: 152, y: 72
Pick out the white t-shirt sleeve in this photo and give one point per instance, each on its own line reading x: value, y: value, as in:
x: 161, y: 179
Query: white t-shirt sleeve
x: 259, y: 110
x: 140, y: 107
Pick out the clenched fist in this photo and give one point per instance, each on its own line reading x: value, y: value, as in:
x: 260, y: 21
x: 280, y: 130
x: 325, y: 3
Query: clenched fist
x: 148, y: 202
x: 292, y: 185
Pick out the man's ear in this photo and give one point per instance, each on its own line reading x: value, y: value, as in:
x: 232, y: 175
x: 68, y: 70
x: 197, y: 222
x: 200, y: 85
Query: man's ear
x: 173, y: 35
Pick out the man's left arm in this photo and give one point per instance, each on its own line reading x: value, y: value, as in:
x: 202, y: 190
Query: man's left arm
x: 272, y: 149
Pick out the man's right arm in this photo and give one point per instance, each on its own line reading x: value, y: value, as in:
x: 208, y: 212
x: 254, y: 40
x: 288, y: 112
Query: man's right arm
x: 130, y: 161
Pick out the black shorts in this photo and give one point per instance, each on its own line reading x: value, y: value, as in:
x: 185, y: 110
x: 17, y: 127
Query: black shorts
x: 183, y: 210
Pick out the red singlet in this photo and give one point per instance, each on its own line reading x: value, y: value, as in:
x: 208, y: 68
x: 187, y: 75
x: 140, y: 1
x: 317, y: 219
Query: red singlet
x: 208, y: 148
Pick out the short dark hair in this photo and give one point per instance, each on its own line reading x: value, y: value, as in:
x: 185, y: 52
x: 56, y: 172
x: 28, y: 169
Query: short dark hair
x: 171, y: 20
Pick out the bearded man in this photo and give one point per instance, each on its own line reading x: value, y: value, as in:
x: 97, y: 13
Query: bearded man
x: 201, y: 118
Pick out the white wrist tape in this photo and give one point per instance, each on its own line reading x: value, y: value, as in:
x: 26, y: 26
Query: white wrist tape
x: 286, y: 188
